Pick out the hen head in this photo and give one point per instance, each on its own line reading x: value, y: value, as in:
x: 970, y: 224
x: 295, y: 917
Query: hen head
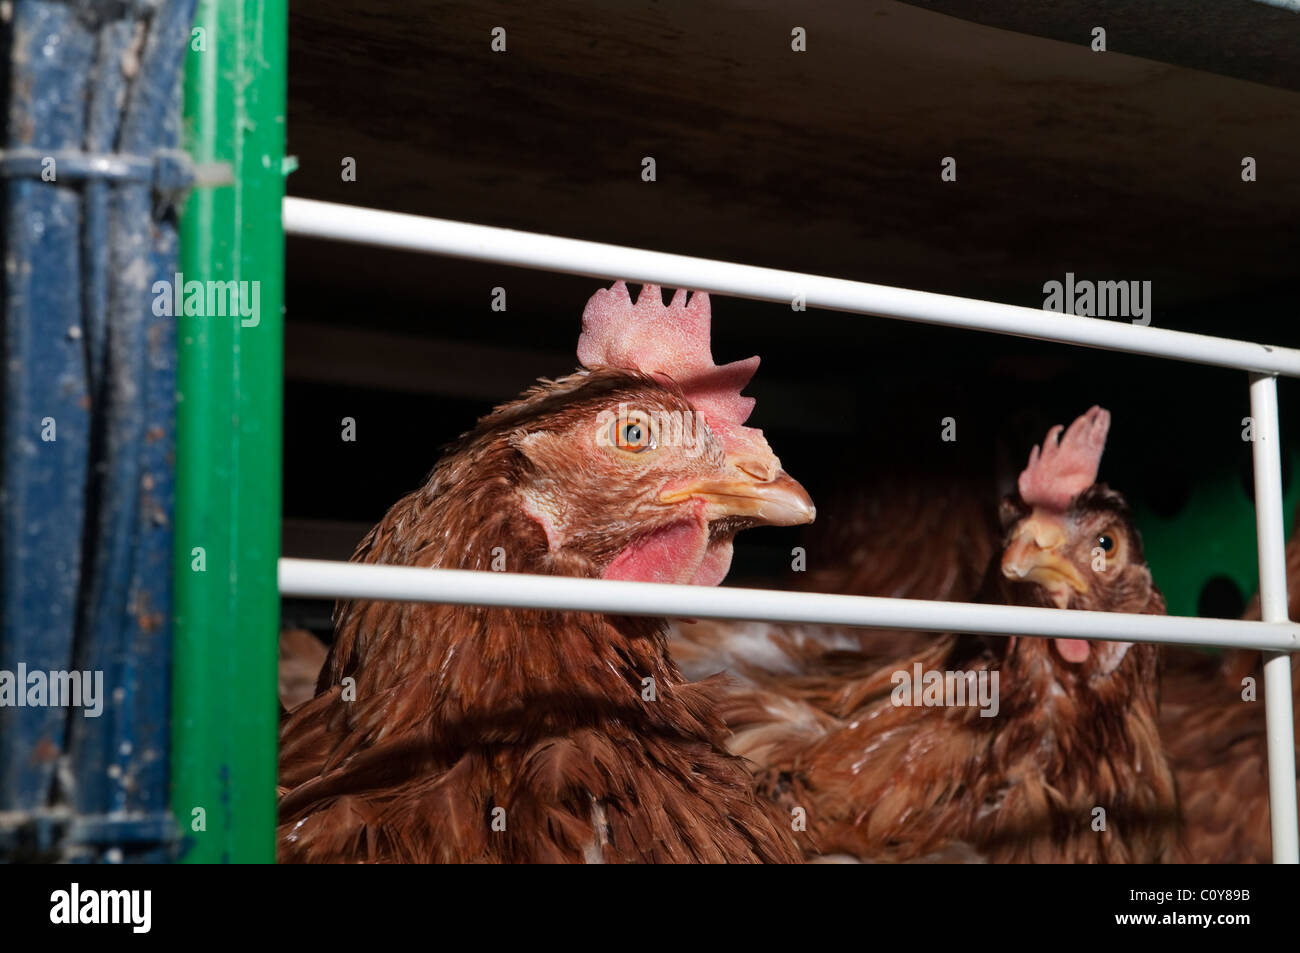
x: 1071, y: 542
x: 628, y: 480
x: 638, y: 467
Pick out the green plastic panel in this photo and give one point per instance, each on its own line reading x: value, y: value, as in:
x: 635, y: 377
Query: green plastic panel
x: 1212, y: 535
x: 229, y: 442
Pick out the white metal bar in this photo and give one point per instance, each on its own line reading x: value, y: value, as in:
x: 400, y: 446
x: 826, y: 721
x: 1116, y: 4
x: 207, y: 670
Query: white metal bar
x: 350, y: 223
x: 1267, y: 450
x: 312, y: 578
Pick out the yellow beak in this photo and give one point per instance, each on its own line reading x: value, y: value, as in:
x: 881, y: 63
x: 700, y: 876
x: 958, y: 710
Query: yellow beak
x: 1034, y: 556
x: 751, y: 491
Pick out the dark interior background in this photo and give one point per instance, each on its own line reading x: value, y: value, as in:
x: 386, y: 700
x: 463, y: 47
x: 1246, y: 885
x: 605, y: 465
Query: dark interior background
x: 1122, y: 165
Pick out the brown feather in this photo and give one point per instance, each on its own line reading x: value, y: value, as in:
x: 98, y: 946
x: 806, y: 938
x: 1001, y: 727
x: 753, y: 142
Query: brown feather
x: 301, y: 658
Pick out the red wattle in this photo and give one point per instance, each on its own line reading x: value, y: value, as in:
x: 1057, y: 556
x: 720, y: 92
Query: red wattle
x: 671, y: 554
x: 1073, y: 650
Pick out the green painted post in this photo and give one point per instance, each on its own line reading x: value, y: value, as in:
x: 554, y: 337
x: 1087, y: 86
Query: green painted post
x: 228, y: 447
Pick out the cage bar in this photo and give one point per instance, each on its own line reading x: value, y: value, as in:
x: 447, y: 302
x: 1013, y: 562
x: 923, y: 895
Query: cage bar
x: 316, y: 578
x: 1267, y: 451
x: 437, y: 236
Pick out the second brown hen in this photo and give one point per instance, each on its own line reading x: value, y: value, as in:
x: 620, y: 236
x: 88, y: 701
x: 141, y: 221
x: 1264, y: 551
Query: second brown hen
x: 1061, y: 760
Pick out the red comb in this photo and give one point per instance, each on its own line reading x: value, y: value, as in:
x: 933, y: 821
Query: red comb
x: 1067, y: 465
x: 671, y: 341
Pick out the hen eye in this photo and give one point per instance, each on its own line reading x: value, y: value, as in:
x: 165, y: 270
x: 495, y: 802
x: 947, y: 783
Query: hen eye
x: 634, y: 436
x: 1106, y: 542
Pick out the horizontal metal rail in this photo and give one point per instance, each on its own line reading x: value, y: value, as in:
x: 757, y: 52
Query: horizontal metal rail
x: 314, y: 578
x: 350, y: 223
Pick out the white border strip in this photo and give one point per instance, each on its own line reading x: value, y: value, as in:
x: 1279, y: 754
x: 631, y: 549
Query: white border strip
x: 323, y: 579
x: 350, y: 223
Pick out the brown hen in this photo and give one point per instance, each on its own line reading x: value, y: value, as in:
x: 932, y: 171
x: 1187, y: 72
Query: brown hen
x: 465, y: 733
x: 1066, y: 765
